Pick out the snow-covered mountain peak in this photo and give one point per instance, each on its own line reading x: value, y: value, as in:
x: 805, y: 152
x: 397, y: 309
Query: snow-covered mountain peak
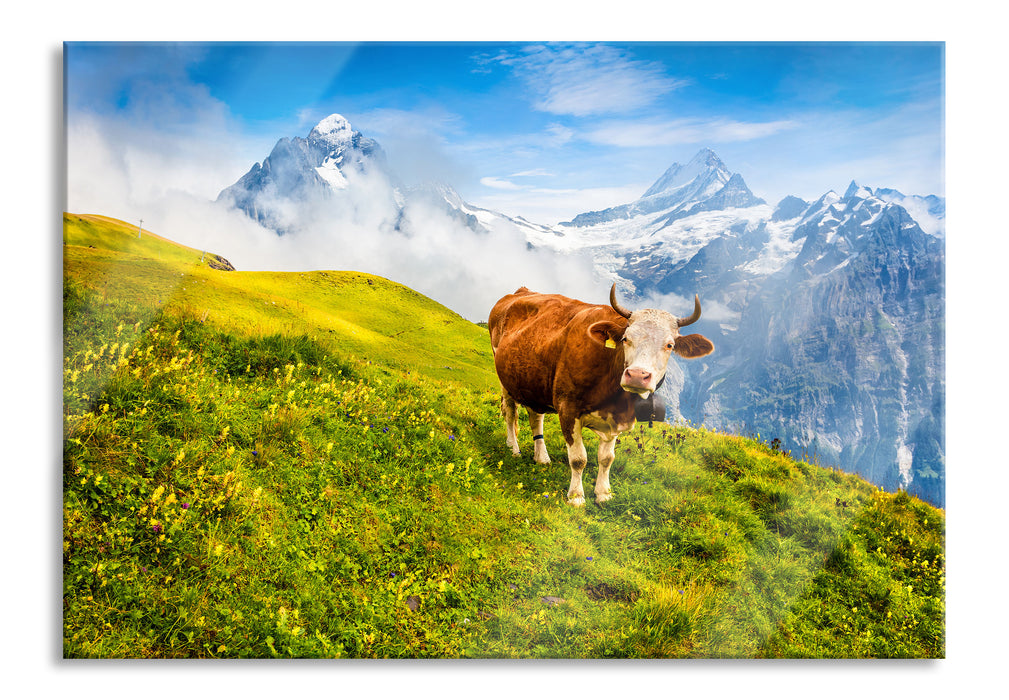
x: 857, y: 191
x: 700, y: 184
x: 704, y: 166
x: 821, y: 205
x: 333, y: 131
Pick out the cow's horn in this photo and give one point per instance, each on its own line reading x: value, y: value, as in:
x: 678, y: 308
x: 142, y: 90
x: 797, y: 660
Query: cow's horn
x: 681, y: 322
x: 616, y: 304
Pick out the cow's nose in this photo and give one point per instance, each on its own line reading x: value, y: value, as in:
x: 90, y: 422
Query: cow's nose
x: 637, y: 377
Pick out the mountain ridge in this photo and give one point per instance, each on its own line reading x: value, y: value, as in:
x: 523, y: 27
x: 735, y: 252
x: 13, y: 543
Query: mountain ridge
x: 683, y: 189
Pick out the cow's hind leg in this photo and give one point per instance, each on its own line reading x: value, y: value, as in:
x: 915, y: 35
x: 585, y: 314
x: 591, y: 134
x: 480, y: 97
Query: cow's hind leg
x: 540, y: 454
x: 510, y: 412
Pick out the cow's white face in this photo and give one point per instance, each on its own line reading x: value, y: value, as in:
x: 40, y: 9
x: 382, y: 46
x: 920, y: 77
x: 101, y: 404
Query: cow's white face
x: 648, y: 341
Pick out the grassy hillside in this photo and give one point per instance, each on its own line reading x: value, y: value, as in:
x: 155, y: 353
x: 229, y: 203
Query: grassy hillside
x: 358, y: 315
x: 313, y: 465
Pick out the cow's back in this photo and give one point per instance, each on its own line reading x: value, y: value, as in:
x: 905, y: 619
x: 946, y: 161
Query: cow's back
x: 525, y: 312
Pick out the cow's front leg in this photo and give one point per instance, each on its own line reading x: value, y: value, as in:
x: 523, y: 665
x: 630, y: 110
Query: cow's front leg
x: 510, y: 412
x: 540, y: 454
x: 577, y: 459
x: 607, y: 452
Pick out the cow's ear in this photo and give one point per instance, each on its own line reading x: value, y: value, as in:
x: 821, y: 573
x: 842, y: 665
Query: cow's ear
x: 606, y: 333
x: 693, y: 345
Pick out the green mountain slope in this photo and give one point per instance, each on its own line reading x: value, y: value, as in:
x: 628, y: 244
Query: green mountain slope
x: 313, y: 465
x: 356, y: 314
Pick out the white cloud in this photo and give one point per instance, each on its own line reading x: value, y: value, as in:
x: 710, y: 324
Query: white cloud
x: 416, y: 142
x: 636, y: 134
x: 114, y: 164
x: 558, y: 134
x: 584, y: 80
x: 535, y: 172
x: 499, y: 184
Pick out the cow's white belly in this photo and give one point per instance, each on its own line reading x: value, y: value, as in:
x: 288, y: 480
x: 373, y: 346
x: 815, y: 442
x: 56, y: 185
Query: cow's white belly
x: 605, y: 426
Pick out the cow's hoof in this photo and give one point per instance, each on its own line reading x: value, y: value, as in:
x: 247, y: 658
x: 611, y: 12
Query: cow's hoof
x: 577, y: 501
x: 603, y: 497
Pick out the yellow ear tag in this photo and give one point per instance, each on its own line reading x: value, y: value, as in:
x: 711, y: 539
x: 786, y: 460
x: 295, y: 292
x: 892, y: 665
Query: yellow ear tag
x: 610, y: 343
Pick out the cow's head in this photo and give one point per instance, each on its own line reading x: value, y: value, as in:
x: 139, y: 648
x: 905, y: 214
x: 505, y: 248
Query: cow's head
x: 648, y: 339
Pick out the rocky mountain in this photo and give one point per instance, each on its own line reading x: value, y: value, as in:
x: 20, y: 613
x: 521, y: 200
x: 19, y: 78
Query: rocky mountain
x: 828, y: 317
x: 300, y: 171
x: 336, y: 165
x: 703, y: 182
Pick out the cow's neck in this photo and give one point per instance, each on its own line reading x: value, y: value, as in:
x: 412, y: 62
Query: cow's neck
x: 612, y: 396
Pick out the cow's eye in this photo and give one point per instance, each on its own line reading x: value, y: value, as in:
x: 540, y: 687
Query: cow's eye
x: 669, y: 346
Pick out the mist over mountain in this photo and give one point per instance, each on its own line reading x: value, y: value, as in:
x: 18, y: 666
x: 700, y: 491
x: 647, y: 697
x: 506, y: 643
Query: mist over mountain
x: 827, y: 316
x: 334, y: 203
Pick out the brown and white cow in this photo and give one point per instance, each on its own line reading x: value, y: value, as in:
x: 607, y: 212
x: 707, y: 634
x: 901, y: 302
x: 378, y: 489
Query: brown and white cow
x: 588, y: 363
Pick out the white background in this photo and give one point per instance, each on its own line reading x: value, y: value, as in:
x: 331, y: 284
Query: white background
x: 977, y: 454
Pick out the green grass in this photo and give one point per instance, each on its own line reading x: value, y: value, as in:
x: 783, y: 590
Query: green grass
x: 279, y: 487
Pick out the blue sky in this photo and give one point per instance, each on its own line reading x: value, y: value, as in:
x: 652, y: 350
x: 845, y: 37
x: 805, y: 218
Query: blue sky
x: 542, y: 130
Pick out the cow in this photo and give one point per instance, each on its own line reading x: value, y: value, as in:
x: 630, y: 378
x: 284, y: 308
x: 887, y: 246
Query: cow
x: 590, y: 364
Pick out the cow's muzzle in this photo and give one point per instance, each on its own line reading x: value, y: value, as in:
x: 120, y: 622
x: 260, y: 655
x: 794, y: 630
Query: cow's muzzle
x: 638, y: 381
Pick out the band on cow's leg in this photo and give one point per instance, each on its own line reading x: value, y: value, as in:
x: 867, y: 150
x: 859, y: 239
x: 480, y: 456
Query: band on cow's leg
x: 540, y: 454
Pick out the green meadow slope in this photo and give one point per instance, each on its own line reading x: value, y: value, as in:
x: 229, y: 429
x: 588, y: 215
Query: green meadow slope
x: 356, y: 314
x: 313, y: 465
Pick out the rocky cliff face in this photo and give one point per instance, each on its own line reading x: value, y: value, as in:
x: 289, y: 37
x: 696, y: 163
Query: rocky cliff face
x: 840, y: 353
